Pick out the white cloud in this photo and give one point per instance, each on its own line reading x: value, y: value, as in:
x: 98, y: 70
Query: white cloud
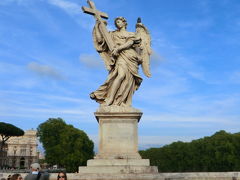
x: 69, y: 7
x: 197, y: 75
x: 70, y: 113
x: 155, y: 58
x: 76, y: 12
x: 42, y: 106
x: 178, y: 119
x: 150, y: 141
x: 65, y: 99
x: 25, y: 83
x: 216, y: 105
x: 45, y: 70
x: 159, y: 42
x: 173, y: 59
x: 43, y: 97
x: 7, y: 68
x: 235, y: 77
x: 167, y: 89
x: 91, y: 60
x: 4, y: 2
x: 196, y: 25
x: 204, y: 6
x: 162, y: 84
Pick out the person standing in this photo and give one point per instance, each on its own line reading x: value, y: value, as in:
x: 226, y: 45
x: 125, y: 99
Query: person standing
x: 16, y: 177
x: 35, y: 173
x: 62, y: 176
x: 9, y: 177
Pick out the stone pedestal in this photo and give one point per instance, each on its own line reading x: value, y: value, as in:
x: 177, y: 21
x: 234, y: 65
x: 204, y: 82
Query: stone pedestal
x: 118, y: 134
x: 118, y: 146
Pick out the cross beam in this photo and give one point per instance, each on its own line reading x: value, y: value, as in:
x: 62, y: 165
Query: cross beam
x: 102, y: 27
x: 93, y: 11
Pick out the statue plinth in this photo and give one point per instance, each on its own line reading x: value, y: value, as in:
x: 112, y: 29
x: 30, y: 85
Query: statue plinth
x: 118, y: 144
x: 118, y: 135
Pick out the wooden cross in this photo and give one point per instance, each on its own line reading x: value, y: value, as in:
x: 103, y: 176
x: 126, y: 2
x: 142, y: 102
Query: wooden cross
x: 102, y: 27
x: 93, y: 11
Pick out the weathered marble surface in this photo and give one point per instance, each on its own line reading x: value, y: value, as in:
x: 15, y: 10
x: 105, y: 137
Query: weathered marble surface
x: 119, y: 162
x: 118, y: 135
x: 118, y: 146
x: 122, y: 52
x: 157, y: 176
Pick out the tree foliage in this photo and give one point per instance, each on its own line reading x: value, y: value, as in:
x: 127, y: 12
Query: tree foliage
x: 7, y: 131
x: 64, y: 145
x: 220, y: 152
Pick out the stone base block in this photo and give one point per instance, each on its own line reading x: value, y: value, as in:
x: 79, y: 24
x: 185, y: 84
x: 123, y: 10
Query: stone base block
x: 118, y: 135
x: 154, y: 176
x: 118, y: 162
x: 117, y: 155
x: 117, y: 169
x: 158, y: 176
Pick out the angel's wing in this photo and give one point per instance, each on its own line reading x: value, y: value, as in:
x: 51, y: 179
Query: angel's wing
x: 144, y: 47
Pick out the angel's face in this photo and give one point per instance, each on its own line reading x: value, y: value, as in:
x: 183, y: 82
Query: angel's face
x: 120, y: 24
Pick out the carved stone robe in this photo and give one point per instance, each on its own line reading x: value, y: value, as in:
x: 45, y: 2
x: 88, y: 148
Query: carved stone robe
x: 128, y: 60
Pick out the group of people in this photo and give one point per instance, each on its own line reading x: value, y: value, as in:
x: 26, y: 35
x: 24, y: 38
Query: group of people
x: 35, y: 174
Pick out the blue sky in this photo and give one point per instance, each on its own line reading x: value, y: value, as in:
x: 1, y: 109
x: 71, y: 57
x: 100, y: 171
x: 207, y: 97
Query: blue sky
x: 48, y: 65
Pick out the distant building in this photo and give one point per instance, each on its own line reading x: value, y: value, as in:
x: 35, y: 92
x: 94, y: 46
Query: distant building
x: 22, y: 151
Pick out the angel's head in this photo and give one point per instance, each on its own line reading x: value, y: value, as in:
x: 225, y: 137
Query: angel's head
x: 120, y: 22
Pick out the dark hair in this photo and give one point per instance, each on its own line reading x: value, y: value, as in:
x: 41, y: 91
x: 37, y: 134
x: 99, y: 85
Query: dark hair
x: 62, y: 173
x: 122, y: 19
x: 9, y: 177
x: 15, y: 176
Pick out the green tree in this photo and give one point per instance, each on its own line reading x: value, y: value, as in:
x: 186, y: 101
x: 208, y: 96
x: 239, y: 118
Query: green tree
x: 7, y: 131
x: 64, y: 145
x: 219, y: 152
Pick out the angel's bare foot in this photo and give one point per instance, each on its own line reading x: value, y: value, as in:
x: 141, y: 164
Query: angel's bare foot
x: 109, y: 101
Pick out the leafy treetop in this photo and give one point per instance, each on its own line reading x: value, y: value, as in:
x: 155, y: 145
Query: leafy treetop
x: 219, y: 152
x: 8, y: 130
x: 64, y: 145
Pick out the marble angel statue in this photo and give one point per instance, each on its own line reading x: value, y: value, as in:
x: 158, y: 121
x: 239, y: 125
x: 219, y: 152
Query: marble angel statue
x: 122, y: 52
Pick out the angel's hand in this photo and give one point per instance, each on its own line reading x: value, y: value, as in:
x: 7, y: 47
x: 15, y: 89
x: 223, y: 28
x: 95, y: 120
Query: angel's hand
x: 137, y: 40
x: 140, y: 61
x: 115, y: 52
x: 97, y: 21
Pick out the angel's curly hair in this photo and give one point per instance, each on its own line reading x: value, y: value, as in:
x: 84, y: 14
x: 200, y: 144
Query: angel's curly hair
x: 122, y: 19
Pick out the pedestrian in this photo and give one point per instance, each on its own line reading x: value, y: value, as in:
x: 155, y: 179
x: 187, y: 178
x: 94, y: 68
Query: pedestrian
x: 35, y: 173
x: 62, y: 175
x: 9, y: 177
x: 16, y: 177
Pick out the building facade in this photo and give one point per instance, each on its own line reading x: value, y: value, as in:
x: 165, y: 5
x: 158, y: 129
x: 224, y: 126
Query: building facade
x: 22, y: 151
